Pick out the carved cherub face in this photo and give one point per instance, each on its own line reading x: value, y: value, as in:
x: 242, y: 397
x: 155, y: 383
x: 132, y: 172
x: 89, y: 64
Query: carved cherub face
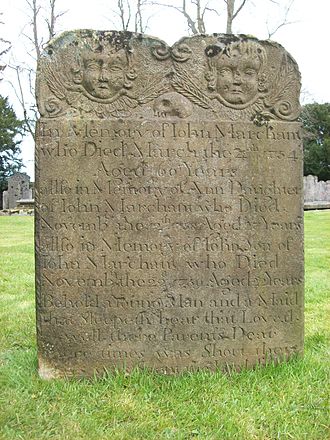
x: 238, y: 78
x: 103, y: 76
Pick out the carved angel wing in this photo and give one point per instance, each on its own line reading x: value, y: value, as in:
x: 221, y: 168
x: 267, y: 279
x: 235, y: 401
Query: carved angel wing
x: 283, y: 98
x: 155, y: 89
x: 56, y: 81
x: 183, y: 83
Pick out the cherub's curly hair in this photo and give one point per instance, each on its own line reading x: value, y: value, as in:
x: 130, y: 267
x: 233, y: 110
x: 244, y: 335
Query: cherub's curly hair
x: 122, y: 56
x: 250, y: 48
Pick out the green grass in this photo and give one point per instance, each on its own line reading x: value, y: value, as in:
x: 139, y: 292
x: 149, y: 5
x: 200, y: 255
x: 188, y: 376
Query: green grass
x: 287, y: 401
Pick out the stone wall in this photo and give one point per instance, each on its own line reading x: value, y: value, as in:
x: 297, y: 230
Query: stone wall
x: 315, y: 190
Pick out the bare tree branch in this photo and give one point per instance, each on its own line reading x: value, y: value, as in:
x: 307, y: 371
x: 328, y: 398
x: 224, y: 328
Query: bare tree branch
x: 51, y: 21
x: 207, y: 9
x: 232, y: 14
x: 130, y: 15
x: 138, y: 17
x: 5, y: 47
x: 238, y: 10
x: 196, y: 23
x: 183, y: 11
x: 284, y: 22
x: 124, y: 13
x: 53, y: 18
x: 190, y: 21
x: 25, y: 76
x: 4, y: 42
x: 139, y: 25
x: 35, y: 9
x: 30, y: 123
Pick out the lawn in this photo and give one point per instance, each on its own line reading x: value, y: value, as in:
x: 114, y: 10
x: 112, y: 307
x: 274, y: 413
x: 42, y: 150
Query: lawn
x: 287, y: 401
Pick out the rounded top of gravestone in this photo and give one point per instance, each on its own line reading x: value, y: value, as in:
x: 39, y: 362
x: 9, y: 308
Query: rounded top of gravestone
x: 112, y: 74
x: 19, y: 176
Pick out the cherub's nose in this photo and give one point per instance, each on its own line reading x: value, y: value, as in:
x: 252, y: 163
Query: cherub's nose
x: 103, y: 76
x: 237, y: 77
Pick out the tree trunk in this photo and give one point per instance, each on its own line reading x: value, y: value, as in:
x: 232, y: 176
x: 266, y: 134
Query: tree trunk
x: 230, y: 15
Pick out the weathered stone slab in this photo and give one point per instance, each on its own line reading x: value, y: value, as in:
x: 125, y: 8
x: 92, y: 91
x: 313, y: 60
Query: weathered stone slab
x: 169, y: 205
x: 18, y: 188
x: 5, y: 201
x: 316, y: 191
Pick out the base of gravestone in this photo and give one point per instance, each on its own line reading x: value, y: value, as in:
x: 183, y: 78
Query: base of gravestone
x: 47, y: 372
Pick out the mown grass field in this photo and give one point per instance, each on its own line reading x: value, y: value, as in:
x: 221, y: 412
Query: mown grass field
x: 287, y: 401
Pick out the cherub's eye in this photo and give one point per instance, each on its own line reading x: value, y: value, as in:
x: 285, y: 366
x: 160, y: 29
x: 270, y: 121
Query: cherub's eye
x: 114, y: 68
x: 250, y: 72
x: 224, y: 71
x: 92, y: 65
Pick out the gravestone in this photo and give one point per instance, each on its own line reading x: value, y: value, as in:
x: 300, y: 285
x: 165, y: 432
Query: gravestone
x: 169, y: 205
x: 18, y: 188
x: 5, y: 203
x: 315, y: 190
